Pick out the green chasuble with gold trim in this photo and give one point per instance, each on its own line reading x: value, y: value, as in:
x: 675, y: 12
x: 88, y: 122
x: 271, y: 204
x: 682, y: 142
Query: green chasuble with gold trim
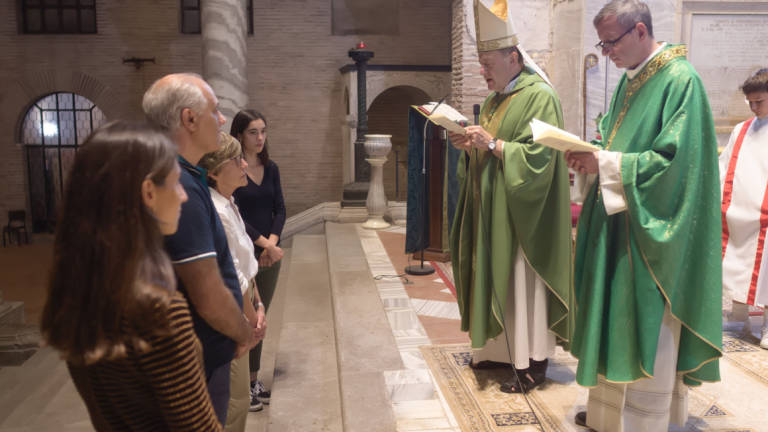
x: 665, y: 248
x: 520, y: 200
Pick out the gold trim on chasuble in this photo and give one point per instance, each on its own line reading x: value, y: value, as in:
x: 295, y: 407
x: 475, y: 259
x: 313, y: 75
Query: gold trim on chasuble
x: 491, y: 123
x: 634, y: 84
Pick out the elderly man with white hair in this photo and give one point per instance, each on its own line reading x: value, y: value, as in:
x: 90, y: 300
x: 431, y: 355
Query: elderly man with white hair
x: 511, y: 236
x: 187, y: 107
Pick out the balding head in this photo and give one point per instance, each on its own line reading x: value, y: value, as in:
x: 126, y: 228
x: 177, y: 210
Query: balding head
x: 186, y: 106
x: 165, y: 100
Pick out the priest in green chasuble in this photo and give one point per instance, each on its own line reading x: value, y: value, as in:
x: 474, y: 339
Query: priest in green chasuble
x: 511, y: 236
x: 647, y: 272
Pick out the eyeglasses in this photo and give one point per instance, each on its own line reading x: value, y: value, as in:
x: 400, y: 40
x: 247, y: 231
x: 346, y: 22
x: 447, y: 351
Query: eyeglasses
x: 603, y: 45
x: 237, y: 159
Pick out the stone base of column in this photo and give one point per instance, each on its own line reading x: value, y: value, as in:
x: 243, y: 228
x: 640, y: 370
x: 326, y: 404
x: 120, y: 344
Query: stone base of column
x: 355, y: 194
x: 376, y: 203
x: 376, y: 222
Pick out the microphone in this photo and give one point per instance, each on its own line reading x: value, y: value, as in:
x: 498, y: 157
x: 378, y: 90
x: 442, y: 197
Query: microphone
x: 476, y: 112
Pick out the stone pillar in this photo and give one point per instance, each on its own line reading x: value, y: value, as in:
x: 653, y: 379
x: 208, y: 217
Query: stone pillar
x: 224, y: 27
x: 377, y: 147
x: 361, y: 56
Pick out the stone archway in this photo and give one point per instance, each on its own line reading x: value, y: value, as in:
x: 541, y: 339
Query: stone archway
x: 388, y: 114
x: 32, y: 87
x: 432, y: 81
x: 434, y: 84
x: 22, y: 92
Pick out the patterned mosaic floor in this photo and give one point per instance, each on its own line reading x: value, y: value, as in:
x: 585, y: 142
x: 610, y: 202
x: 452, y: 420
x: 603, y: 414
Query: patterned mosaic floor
x: 734, y: 405
x: 439, y: 392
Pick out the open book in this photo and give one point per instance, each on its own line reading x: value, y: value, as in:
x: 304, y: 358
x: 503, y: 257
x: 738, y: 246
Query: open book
x: 558, y: 139
x: 445, y: 116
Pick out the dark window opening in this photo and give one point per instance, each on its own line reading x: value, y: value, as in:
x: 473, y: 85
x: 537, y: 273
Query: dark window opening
x: 191, y: 12
x: 53, y: 129
x: 58, y: 16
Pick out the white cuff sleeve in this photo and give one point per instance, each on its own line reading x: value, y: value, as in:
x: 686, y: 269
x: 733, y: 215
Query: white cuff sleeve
x: 609, y: 167
x: 582, y: 183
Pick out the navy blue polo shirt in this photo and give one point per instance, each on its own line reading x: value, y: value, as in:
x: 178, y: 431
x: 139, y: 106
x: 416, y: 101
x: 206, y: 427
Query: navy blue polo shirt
x: 200, y: 235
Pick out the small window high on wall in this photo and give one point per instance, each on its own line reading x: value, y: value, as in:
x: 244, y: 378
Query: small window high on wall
x: 58, y: 16
x: 53, y: 129
x: 190, y: 16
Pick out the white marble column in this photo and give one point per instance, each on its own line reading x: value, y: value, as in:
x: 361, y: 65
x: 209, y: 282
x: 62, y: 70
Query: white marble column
x: 224, y: 27
x: 377, y: 147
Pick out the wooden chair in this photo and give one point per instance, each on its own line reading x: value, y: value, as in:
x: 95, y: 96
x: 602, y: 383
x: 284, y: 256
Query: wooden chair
x: 17, y: 223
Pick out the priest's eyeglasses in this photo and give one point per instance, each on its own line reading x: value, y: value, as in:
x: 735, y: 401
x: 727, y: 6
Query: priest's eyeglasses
x: 606, y: 45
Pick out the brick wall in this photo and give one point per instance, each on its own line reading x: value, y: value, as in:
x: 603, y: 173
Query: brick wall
x: 468, y: 86
x: 293, y: 76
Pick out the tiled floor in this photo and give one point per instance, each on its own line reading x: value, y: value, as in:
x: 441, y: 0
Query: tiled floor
x: 421, y: 311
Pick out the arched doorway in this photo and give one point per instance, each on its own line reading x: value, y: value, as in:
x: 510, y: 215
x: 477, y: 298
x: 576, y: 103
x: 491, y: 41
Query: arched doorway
x: 388, y: 114
x: 53, y: 128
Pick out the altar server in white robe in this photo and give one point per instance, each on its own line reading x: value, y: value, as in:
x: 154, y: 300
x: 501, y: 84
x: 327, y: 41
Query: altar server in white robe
x: 744, y: 186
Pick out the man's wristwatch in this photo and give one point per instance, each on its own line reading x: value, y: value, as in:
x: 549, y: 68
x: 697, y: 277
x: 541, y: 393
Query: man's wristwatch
x: 492, y: 144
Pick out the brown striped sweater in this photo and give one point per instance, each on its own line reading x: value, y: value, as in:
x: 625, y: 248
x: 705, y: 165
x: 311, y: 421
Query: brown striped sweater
x: 162, y: 389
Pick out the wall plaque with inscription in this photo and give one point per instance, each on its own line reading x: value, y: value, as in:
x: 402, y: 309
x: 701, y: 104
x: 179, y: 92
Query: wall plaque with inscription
x: 726, y: 49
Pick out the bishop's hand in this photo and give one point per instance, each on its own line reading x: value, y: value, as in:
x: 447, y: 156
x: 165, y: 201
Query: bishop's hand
x: 461, y: 142
x: 479, y: 137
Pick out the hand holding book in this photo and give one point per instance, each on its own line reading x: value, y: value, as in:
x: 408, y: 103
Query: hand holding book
x: 558, y: 139
x: 445, y: 116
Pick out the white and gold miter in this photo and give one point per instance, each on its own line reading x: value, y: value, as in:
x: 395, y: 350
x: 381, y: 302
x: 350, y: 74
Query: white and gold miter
x: 494, y: 31
x: 493, y: 28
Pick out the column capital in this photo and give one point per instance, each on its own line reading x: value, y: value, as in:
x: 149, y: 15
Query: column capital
x: 360, y: 55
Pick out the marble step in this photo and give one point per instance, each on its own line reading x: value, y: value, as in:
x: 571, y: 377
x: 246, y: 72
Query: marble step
x: 305, y: 390
x: 365, y: 345
x: 35, y: 379
x: 18, y: 342
x: 11, y: 312
x: 51, y: 403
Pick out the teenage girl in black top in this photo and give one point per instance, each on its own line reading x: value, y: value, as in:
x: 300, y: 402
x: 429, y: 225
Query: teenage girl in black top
x: 263, y: 210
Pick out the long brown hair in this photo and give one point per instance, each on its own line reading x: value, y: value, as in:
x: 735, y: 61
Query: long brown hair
x: 110, y: 268
x: 240, y: 123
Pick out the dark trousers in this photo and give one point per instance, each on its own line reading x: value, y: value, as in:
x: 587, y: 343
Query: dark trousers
x: 218, y: 389
x: 266, y: 282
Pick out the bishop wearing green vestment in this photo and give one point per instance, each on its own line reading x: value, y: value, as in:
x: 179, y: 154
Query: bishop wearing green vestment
x: 647, y: 265
x: 511, y: 236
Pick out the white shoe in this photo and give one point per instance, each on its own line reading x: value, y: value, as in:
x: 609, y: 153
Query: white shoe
x: 764, y: 338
